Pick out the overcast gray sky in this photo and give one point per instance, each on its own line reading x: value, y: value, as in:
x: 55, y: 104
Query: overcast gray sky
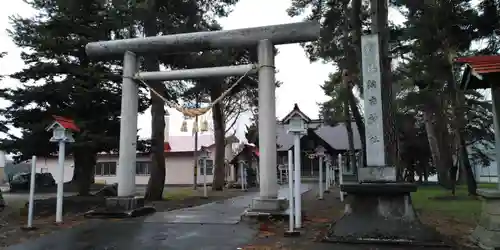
x: 301, y: 79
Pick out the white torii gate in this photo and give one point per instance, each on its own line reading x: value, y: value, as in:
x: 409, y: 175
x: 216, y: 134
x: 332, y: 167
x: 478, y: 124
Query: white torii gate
x: 262, y: 37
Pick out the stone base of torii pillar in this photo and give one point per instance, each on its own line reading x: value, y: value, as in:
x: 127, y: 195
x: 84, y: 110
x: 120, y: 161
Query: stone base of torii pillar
x: 487, y: 232
x: 381, y: 212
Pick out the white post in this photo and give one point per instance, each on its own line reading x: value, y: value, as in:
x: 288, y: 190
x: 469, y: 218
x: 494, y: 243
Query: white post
x: 242, y: 176
x: 128, y: 127
x: 320, y: 163
x: 495, y: 97
x: 290, y: 190
x: 334, y: 176
x: 341, y: 178
x: 233, y: 173
x: 60, y: 183
x: 205, y: 194
x: 267, y: 121
x: 328, y: 177
x: 32, y: 192
x: 297, y: 163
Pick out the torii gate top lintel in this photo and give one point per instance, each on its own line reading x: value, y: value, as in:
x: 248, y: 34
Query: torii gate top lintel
x: 206, y: 40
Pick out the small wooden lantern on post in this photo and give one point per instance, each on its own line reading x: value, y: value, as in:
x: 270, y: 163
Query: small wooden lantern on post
x: 62, y: 132
x: 296, y: 126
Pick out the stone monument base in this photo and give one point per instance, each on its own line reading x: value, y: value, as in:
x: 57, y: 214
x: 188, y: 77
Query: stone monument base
x: 487, y: 232
x: 121, y: 207
x: 381, y: 212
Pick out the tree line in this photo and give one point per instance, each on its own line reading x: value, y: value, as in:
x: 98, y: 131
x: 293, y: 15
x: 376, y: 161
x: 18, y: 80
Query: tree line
x: 60, y: 79
x: 439, y: 128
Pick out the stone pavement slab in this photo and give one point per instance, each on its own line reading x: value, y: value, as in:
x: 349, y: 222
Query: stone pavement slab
x: 221, y: 212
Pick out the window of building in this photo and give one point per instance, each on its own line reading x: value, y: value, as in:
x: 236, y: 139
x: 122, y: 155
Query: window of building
x: 142, y: 168
x: 105, y: 168
x: 210, y: 166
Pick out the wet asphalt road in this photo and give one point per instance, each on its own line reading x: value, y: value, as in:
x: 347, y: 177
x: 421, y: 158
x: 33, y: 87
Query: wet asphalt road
x: 213, y: 226
x: 132, y: 235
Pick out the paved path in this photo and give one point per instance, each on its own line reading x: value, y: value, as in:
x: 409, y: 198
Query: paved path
x: 212, y: 226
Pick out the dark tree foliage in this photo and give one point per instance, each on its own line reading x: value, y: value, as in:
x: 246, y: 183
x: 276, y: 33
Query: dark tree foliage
x: 59, y: 79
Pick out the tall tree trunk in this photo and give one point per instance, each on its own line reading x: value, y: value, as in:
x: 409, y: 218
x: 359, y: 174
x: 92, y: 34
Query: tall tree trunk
x: 156, y: 181
x: 85, y: 161
x: 348, y: 74
x: 426, y: 173
x: 354, y: 71
x: 467, y: 169
x: 2, y: 201
x: 219, y: 129
x: 348, y: 125
x: 458, y: 122
x: 379, y: 13
x: 350, y: 139
x: 437, y: 134
x: 360, y: 124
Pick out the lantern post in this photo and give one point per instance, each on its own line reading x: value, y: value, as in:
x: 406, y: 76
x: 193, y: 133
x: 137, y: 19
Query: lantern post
x: 328, y: 174
x: 243, y: 175
x: 297, y: 127
x: 320, y: 153
x: 62, y: 133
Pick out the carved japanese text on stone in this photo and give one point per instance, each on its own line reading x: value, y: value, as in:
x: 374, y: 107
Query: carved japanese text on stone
x: 372, y: 118
x: 370, y: 84
x: 375, y: 150
x: 372, y: 100
x: 374, y: 139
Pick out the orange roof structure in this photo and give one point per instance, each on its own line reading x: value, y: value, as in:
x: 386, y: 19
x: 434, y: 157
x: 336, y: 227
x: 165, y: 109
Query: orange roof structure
x: 66, y: 123
x: 481, y: 71
x: 482, y: 64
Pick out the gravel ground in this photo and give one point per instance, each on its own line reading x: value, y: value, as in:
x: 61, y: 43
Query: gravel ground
x: 320, y: 214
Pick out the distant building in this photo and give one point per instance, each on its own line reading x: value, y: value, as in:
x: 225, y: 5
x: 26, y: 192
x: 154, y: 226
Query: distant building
x: 179, y: 152
x: 333, y: 138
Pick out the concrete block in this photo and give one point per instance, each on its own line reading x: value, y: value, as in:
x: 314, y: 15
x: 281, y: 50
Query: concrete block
x: 489, y: 222
x: 269, y: 205
x: 487, y: 232
x: 124, y: 203
x: 377, y: 173
x: 491, y: 206
x: 486, y: 239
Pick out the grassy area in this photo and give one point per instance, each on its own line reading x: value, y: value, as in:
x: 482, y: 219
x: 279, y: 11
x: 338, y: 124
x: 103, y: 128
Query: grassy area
x: 179, y: 193
x: 463, y: 207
